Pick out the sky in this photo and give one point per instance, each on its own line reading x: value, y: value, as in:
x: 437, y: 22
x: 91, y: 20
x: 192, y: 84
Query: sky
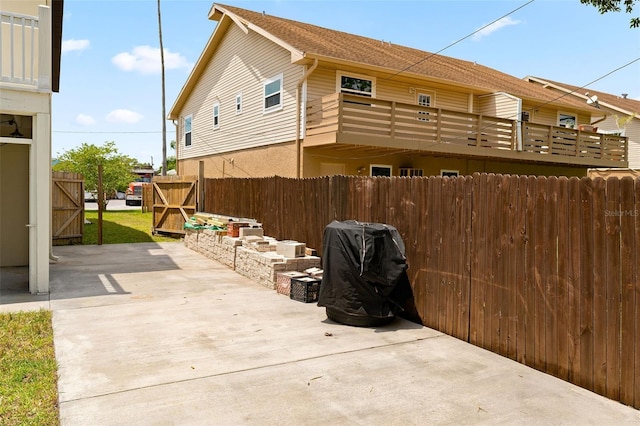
x: 110, y: 84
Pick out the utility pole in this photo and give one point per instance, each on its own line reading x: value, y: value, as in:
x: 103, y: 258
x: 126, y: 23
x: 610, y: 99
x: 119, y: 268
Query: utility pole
x: 164, y: 113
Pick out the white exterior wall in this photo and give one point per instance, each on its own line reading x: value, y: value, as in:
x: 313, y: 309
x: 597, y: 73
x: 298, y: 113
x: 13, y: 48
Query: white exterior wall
x: 31, y: 97
x: 241, y: 64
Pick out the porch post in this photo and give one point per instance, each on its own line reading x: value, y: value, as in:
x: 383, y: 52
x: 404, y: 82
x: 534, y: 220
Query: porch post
x: 39, y: 204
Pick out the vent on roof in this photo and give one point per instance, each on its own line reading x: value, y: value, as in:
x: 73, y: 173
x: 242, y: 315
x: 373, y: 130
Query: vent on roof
x: 624, y: 95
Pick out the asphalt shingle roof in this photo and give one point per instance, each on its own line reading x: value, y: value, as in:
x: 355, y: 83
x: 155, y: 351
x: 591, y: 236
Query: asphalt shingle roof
x: 319, y: 41
x: 630, y: 105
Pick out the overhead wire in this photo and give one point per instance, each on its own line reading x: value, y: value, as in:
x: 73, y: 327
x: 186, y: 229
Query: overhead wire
x: 426, y: 58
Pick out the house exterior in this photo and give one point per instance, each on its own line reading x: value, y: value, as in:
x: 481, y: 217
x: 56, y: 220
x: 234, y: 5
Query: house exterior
x: 271, y: 96
x: 30, y: 47
x: 614, y: 109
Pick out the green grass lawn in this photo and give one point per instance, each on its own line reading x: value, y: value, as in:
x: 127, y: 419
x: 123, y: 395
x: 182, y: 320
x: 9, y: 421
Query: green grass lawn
x: 125, y: 226
x: 28, y: 370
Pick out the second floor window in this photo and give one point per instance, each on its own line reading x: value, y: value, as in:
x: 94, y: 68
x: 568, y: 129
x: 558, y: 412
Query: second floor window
x: 187, y: 130
x: 356, y: 85
x: 216, y: 116
x: 239, y: 103
x: 273, y: 94
x: 425, y: 101
x: 567, y: 120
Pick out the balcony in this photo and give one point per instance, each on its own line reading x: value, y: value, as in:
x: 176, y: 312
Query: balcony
x: 25, y: 49
x: 355, y: 120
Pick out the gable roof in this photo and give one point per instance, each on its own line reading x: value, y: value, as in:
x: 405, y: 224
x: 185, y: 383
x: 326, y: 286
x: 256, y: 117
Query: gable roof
x: 307, y: 42
x: 623, y: 105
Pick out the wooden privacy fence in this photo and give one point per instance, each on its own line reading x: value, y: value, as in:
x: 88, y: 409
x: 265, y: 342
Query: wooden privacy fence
x: 545, y: 271
x: 174, y: 202
x: 67, y: 208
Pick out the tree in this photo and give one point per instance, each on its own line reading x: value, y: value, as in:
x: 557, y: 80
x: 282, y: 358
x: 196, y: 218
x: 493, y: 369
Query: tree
x: 605, y: 6
x: 116, y: 167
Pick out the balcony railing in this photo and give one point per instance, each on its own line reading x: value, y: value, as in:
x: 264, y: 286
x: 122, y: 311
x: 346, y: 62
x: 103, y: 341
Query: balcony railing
x: 357, y: 120
x: 25, y: 48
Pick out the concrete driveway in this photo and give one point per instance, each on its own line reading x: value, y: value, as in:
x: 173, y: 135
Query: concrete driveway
x: 157, y: 334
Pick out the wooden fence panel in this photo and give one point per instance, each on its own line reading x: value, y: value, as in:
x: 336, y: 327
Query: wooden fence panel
x: 574, y: 282
x: 67, y: 208
x: 599, y: 287
x: 174, y: 202
x: 479, y: 258
x: 520, y: 284
x: 629, y: 280
x: 612, y: 288
x: 564, y: 254
x: 551, y: 271
x: 585, y: 379
x: 541, y: 270
x: 540, y: 277
x: 636, y: 256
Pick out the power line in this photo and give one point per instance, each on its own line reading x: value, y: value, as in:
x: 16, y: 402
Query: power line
x: 458, y: 41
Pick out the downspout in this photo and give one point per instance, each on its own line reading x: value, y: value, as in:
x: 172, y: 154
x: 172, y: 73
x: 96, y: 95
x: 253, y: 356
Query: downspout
x: 175, y: 124
x: 299, y: 113
x: 599, y: 120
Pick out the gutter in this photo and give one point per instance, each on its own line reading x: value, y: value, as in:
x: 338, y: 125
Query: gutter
x: 298, y: 114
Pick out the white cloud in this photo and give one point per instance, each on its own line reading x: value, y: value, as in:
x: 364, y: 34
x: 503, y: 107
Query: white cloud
x: 124, y: 116
x: 77, y: 45
x: 146, y: 60
x: 85, y: 120
x: 500, y: 23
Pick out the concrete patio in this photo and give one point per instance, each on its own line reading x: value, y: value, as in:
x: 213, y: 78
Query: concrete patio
x: 157, y: 334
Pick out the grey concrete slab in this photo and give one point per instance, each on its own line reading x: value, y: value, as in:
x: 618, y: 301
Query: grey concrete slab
x: 157, y: 334
x: 14, y: 291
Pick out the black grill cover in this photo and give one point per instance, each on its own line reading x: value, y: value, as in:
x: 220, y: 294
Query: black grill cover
x: 362, y: 265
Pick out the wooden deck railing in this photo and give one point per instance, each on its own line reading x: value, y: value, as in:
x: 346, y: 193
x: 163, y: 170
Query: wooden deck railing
x: 377, y: 118
x: 25, y: 48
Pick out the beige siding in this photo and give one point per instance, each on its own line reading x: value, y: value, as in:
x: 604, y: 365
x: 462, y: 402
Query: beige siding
x: 632, y: 131
x: 241, y: 64
x: 323, y: 82
x: 498, y: 105
x: 549, y: 115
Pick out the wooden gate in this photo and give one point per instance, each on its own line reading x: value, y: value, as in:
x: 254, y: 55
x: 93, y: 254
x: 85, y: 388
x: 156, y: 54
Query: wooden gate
x: 67, y: 212
x: 174, y: 202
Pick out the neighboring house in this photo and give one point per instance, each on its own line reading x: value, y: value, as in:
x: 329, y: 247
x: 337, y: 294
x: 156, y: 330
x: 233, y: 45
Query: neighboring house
x: 144, y: 173
x: 613, y: 109
x: 271, y: 96
x: 30, y: 48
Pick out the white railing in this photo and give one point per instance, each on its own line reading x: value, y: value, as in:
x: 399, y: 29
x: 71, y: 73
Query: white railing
x: 25, y: 48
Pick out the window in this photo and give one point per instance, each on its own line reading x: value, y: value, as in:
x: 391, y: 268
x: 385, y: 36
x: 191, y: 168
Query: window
x: 216, y: 116
x: 380, y: 170
x: 449, y: 173
x: 273, y: 94
x: 406, y: 171
x: 239, y: 103
x: 356, y: 84
x: 187, y: 130
x: 567, y: 120
x: 424, y: 100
